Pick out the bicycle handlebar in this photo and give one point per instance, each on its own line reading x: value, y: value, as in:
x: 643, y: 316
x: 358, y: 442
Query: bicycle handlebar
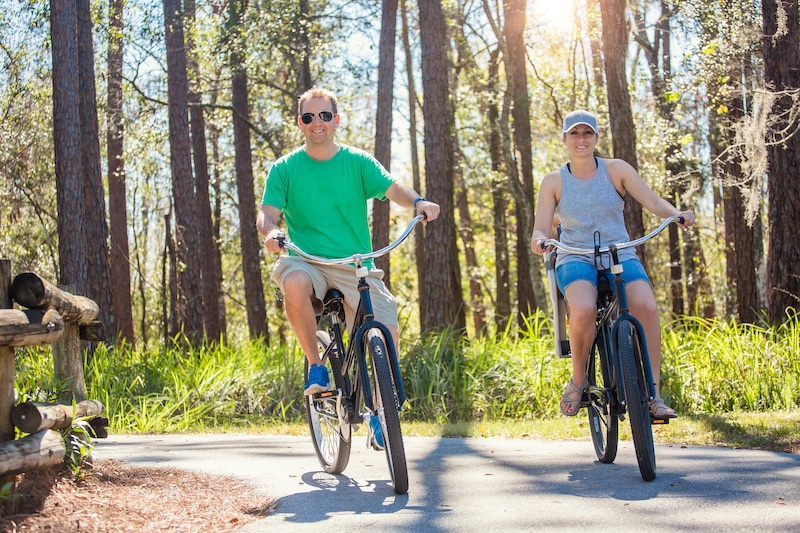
x: 358, y: 259
x: 558, y: 244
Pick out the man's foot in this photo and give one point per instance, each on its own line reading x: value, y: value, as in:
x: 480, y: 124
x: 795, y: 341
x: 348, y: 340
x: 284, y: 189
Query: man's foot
x: 571, y: 400
x: 376, y: 433
x: 318, y: 380
x: 660, y: 409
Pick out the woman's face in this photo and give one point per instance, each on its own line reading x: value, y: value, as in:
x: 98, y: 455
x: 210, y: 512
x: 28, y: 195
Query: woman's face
x: 580, y: 140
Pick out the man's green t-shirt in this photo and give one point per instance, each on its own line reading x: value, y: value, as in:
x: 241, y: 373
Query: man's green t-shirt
x: 325, y: 202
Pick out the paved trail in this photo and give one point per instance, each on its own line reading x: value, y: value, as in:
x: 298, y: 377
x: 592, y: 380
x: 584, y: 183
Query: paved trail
x: 488, y: 485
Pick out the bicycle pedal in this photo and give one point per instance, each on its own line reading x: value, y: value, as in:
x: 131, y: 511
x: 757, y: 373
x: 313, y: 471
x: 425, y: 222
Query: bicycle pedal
x: 327, y: 394
x: 659, y: 421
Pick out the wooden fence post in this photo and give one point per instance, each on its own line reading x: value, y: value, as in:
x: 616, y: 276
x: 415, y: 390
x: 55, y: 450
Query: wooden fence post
x: 68, y: 360
x: 6, y: 368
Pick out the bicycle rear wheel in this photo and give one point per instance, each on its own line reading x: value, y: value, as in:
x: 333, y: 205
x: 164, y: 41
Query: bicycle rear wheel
x: 604, y: 425
x: 386, y: 409
x: 630, y: 356
x: 331, y: 437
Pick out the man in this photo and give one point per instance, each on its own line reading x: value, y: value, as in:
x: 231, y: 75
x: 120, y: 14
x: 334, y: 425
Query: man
x: 322, y: 189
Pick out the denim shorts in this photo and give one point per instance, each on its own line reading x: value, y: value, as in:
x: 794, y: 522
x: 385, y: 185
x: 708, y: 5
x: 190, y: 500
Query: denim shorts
x: 633, y: 270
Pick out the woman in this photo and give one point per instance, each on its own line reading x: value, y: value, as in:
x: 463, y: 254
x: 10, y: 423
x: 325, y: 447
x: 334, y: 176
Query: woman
x: 588, y: 193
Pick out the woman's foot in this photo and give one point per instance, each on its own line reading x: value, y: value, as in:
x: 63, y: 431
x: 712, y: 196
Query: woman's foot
x: 571, y: 399
x: 660, y: 409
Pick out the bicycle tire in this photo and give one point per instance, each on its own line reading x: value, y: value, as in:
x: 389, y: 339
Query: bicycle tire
x: 331, y: 437
x: 603, y: 424
x: 630, y: 349
x: 386, y: 409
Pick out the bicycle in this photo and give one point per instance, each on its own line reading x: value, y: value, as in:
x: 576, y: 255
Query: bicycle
x: 618, y: 368
x: 373, y: 383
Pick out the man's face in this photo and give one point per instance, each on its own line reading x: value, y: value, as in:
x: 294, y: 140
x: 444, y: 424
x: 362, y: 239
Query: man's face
x: 318, y: 131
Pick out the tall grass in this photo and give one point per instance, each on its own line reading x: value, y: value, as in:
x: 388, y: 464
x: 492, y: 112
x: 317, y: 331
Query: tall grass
x: 708, y: 366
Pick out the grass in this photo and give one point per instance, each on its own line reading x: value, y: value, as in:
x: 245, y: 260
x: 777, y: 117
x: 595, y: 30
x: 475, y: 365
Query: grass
x: 734, y: 385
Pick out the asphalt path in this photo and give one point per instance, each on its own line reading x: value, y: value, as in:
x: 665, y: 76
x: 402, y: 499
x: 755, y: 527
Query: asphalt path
x: 491, y: 484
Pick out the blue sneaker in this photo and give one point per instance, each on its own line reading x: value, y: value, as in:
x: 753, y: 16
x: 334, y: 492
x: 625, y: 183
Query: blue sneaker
x: 376, y: 432
x: 318, y: 380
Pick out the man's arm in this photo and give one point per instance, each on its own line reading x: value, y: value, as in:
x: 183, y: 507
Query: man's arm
x: 267, y: 224
x: 405, y: 196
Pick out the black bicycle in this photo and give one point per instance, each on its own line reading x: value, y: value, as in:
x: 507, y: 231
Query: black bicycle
x: 365, y: 371
x: 618, y: 368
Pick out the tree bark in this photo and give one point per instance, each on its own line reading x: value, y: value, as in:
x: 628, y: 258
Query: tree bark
x: 383, y: 130
x: 516, y: 73
x: 189, y: 304
x: 251, y: 244
x: 623, y: 131
x: 782, y: 74
x: 443, y: 275
x: 66, y: 143
x: 419, y: 230
x: 32, y: 291
x: 94, y: 218
x: 502, y: 269
x: 119, y: 256
x: 32, y: 417
x: 210, y: 286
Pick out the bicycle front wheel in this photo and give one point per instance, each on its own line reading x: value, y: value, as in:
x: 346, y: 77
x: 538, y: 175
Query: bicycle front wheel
x: 387, y: 410
x: 331, y: 436
x: 603, y: 424
x: 630, y: 355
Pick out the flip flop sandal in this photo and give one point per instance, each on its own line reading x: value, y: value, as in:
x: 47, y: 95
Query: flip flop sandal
x: 572, y: 397
x: 660, y: 409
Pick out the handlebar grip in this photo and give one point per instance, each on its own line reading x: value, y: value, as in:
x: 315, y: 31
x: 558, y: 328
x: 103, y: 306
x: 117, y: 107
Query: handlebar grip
x: 281, y: 238
x: 681, y: 220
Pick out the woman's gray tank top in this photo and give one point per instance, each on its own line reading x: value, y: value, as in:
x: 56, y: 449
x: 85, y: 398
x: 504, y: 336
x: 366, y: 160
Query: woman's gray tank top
x: 589, y: 206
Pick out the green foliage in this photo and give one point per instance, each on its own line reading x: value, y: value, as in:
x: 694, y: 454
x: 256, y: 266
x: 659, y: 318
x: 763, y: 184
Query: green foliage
x: 709, y: 367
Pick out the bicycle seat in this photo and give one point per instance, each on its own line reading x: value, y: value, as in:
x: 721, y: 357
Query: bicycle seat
x: 333, y: 304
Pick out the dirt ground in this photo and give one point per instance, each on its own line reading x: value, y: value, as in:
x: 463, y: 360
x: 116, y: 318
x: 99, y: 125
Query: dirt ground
x: 119, y: 498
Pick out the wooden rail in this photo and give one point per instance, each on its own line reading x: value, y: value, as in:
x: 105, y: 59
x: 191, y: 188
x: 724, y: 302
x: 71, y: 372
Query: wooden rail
x: 57, y: 317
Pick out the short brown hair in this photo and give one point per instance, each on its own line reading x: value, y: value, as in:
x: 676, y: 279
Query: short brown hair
x: 316, y: 93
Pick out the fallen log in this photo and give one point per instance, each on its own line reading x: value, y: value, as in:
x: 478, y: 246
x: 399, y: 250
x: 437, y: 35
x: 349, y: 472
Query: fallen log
x: 41, y: 450
x: 31, y: 291
x: 31, y: 417
x: 33, y: 327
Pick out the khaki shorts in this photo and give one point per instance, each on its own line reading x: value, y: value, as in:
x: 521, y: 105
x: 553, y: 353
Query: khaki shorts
x: 341, y: 277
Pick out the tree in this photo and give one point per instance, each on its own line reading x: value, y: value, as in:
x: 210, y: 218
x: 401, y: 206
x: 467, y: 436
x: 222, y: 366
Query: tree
x: 205, y: 230
x: 419, y: 230
x: 782, y: 75
x: 623, y: 132
x: 514, y: 29
x: 189, y: 305
x: 67, y: 134
x: 383, y: 129
x: 95, y: 225
x: 119, y: 252
x: 251, y: 245
x: 442, y: 276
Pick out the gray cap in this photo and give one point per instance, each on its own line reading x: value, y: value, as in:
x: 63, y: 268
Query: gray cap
x: 579, y: 116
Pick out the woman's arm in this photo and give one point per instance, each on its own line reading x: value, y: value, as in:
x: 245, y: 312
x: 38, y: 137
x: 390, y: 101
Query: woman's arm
x: 545, y: 211
x: 626, y: 176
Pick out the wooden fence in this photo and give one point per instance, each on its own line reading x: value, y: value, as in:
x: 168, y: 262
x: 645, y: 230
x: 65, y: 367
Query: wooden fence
x: 52, y: 316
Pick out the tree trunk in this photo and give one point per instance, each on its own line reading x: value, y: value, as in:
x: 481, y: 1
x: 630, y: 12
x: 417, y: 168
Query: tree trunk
x: 419, y: 230
x: 383, y: 130
x: 66, y: 143
x: 119, y: 256
x: 623, y: 132
x: 190, y: 299
x: 251, y: 244
x: 205, y: 230
x: 443, y: 276
x: 514, y: 29
x: 782, y: 73
x: 502, y: 269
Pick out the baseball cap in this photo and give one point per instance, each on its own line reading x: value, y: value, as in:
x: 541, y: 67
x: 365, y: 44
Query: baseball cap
x: 579, y: 116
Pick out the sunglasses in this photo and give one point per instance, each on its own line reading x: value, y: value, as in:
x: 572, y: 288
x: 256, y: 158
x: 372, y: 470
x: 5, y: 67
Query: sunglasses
x: 324, y: 116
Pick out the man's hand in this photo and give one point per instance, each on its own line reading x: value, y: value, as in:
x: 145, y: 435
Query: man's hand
x: 430, y: 209
x: 271, y: 241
